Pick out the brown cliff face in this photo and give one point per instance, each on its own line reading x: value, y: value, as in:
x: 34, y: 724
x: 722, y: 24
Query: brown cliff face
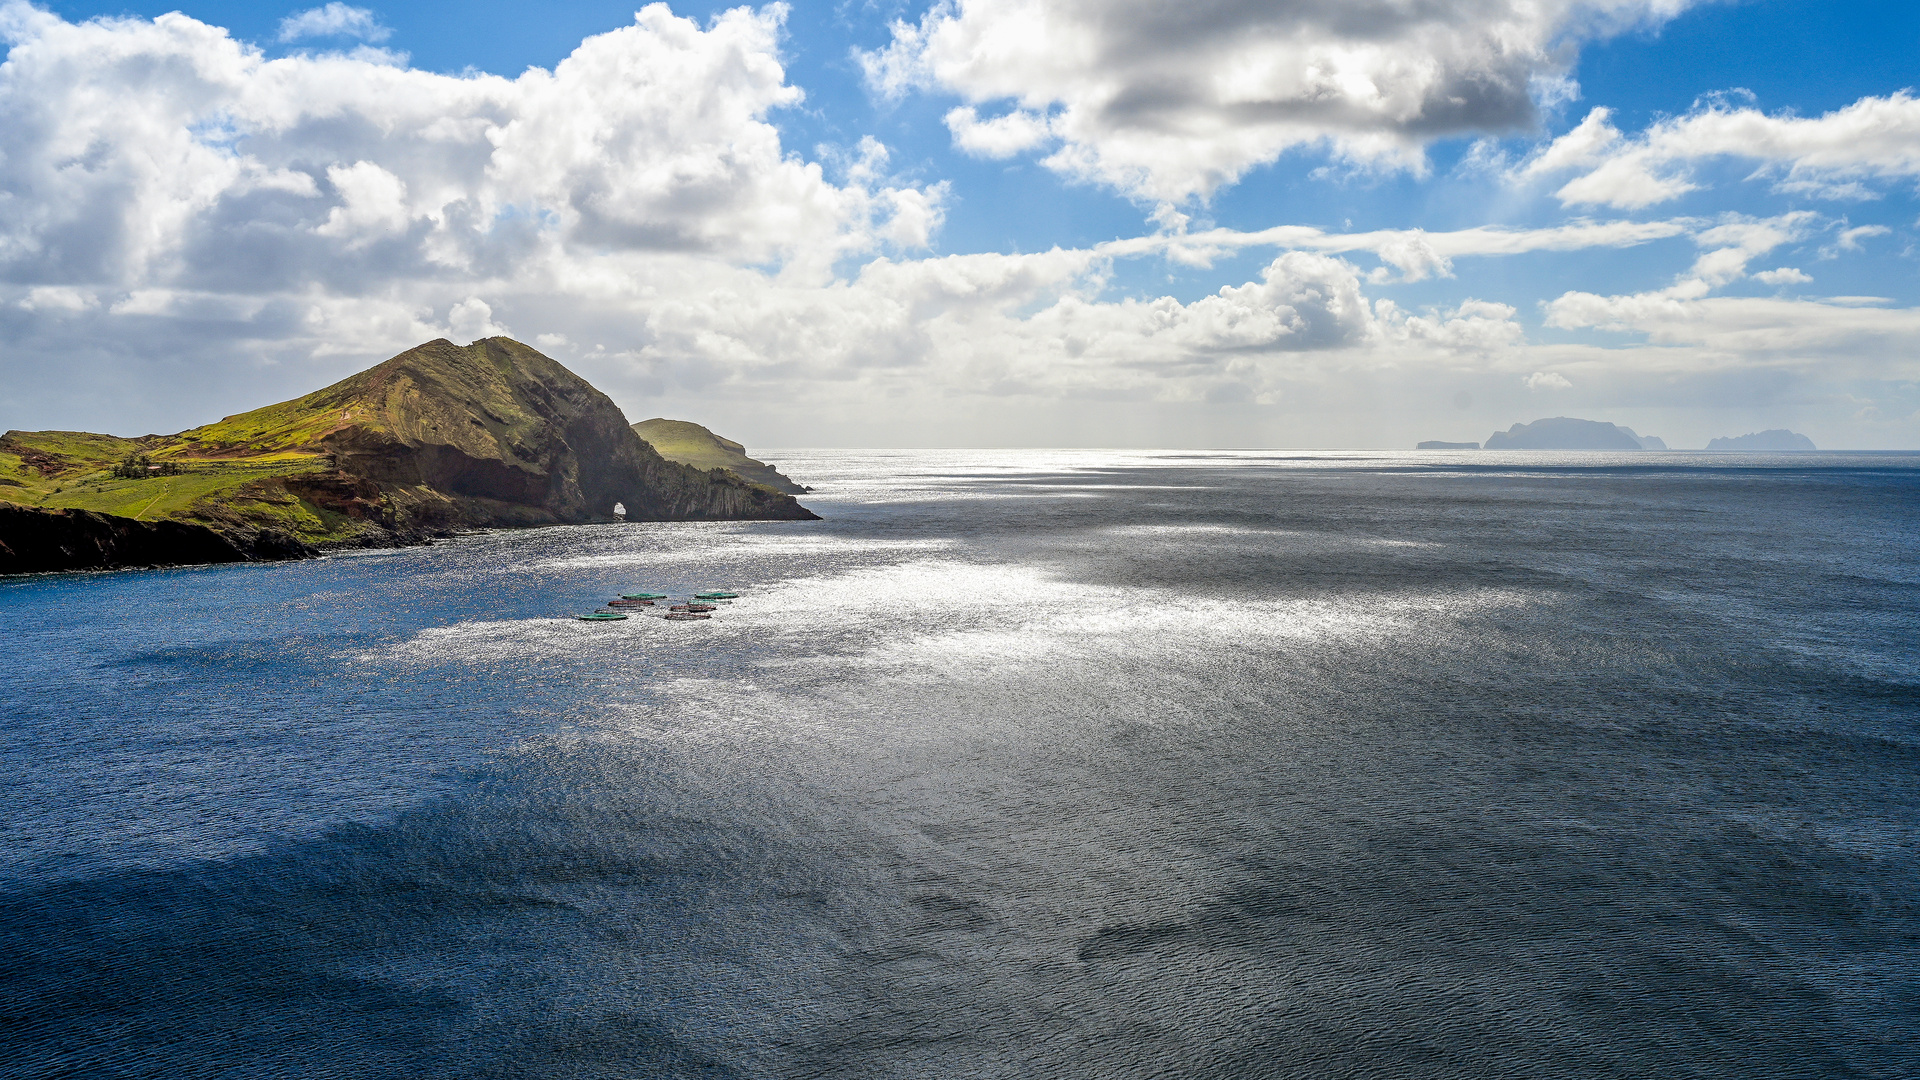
x: 691, y: 444
x: 43, y: 541
x: 440, y: 438
x: 495, y: 423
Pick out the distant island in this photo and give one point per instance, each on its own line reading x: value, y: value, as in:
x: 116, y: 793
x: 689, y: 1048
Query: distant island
x: 690, y: 444
x: 438, y: 439
x: 1436, y: 444
x: 1774, y: 439
x: 1568, y: 433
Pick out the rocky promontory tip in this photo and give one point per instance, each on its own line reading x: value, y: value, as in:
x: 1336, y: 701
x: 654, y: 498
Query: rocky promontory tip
x: 690, y: 444
x: 438, y: 439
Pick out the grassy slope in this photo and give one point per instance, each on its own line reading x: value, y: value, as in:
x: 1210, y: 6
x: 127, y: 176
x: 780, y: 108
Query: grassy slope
x: 233, y: 490
x: 232, y: 472
x: 229, y: 473
x: 691, y: 444
x: 228, y: 468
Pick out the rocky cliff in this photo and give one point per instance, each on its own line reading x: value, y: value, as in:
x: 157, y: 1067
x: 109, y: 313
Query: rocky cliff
x: 691, y: 444
x: 437, y: 439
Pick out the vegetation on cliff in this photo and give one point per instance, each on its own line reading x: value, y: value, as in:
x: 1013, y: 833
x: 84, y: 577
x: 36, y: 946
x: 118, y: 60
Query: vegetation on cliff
x: 439, y: 438
x: 691, y: 444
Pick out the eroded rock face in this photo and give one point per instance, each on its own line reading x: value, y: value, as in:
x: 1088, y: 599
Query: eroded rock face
x: 497, y: 422
x: 440, y: 438
x: 691, y: 444
x: 33, y: 540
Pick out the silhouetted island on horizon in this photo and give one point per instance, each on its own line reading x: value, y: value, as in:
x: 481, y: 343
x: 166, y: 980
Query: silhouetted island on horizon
x: 1771, y: 439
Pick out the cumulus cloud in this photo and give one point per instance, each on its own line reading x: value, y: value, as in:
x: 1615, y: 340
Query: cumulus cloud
x: 189, y: 141
x: 1784, y: 275
x: 333, y: 20
x: 1831, y: 156
x: 1000, y: 137
x: 1166, y: 102
x: 1547, y: 380
x: 196, y: 228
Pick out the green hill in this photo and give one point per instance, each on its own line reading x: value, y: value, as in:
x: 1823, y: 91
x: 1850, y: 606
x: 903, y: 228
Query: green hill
x: 439, y: 438
x: 691, y: 444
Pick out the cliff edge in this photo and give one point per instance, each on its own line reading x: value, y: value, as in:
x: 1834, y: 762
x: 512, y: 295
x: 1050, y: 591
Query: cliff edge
x: 690, y: 444
x: 440, y: 438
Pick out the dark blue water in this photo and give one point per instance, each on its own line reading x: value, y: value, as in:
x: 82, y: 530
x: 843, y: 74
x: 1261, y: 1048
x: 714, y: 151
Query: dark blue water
x: 1018, y: 765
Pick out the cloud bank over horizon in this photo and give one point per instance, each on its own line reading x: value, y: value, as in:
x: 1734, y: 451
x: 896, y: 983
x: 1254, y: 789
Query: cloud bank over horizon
x: 188, y: 220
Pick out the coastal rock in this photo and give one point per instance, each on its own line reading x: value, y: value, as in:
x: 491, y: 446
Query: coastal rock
x: 1772, y: 439
x: 41, y: 541
x: 496, y: 434
x: 691, y: 444
x: 1569, y: 433
x: 438, y: 439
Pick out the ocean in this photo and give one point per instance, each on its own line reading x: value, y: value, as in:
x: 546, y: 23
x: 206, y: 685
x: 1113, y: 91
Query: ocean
x: 1019, y: 764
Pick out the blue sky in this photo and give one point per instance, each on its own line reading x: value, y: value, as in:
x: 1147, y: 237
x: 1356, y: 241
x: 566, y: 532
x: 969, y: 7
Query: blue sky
x: 1749, y: 179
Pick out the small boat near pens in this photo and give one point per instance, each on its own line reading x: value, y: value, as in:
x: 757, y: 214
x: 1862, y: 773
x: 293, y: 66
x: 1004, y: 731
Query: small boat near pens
x: 623, y: 603
x: 686, y: 616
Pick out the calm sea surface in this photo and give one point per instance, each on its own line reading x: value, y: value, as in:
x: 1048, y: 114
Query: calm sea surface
x: 1020, y: 764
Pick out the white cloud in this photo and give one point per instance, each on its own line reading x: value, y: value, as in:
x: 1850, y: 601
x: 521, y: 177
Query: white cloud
x: 1738, y: 241
x: 373, y: 202
x: 253, y: 228
x: 1000, y: 137
x: 195, y: 143
x: 472, y: 319
x: 1756, y: 332
x: 1829, y: 156
x: 1784, y: 275
x: 59, y: 298
x: 1166, y: 102
x: 1547, y: 380
x: 1849, y: 239
x: 1416, y: 253
x: 334, y: 20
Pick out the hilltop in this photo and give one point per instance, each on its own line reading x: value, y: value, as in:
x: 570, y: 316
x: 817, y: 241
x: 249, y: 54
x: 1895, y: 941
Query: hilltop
x: 440, y: 438
x: 691, y: 444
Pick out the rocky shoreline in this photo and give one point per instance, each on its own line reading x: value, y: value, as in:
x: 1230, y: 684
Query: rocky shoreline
x: 439, y: 440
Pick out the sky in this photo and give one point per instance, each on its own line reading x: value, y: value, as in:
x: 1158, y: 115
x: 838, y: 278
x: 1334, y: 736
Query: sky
x: 1124, y: 223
